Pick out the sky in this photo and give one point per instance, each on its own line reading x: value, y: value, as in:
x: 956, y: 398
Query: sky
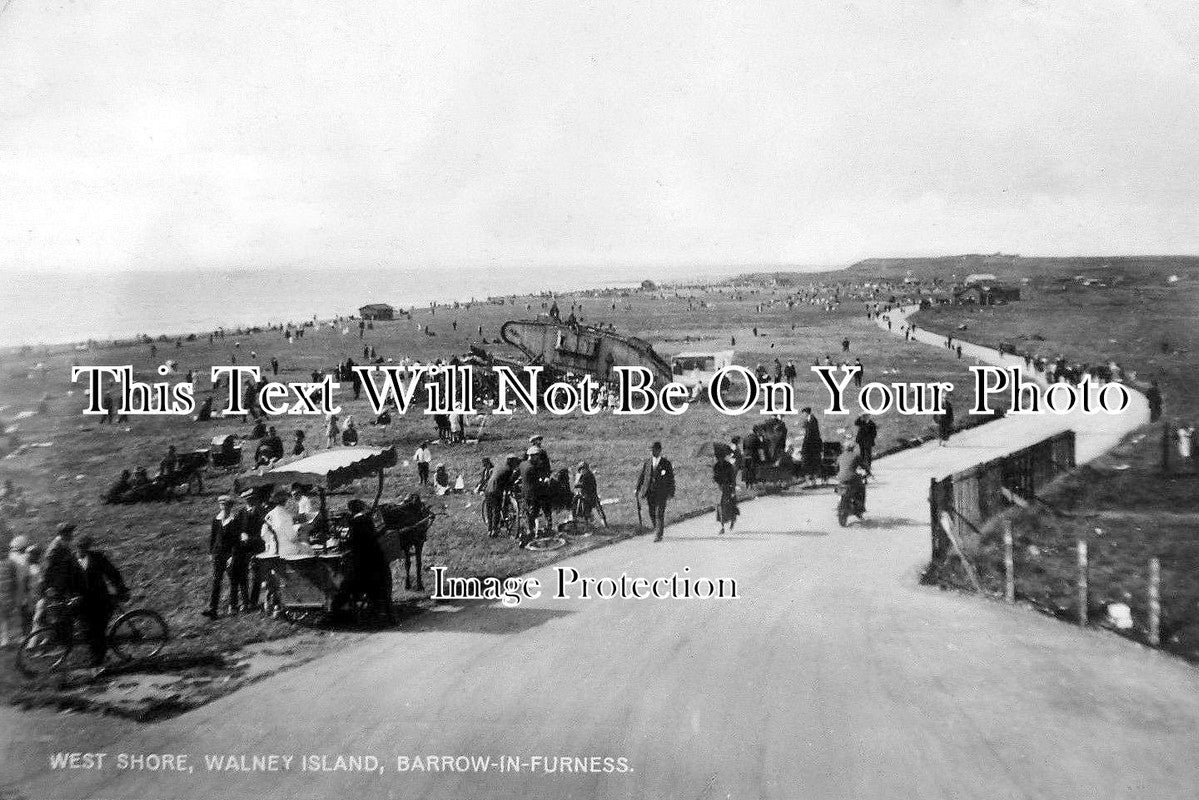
x: 175, y: 134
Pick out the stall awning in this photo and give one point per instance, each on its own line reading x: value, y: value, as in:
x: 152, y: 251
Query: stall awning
x: 329, y: 470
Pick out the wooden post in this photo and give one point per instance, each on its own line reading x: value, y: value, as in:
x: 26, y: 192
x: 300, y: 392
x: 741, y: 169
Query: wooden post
x: 1082, y: 582
x: 1009, y: 569
x: 1155, y: 605
x: 378, y: 493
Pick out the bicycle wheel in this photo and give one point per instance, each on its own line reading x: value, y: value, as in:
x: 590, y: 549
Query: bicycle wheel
x: 514, y: 518
x: 578, y: 525
x: 43, y: 651
x: 138, y: 634
x: 544, y: 543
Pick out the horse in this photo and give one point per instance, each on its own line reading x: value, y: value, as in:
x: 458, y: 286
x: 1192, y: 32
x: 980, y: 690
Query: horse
x: 405, y: 529
x: 189, y: 472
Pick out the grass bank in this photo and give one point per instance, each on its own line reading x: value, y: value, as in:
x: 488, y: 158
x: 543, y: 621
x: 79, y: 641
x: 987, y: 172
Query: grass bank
x: 1143, y: 314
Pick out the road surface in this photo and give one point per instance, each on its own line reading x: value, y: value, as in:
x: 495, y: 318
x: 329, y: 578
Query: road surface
x: 835, y: 675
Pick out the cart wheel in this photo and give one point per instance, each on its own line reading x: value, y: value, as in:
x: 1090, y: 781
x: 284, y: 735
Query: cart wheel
x: 138, y: 634
x: 43, y: 651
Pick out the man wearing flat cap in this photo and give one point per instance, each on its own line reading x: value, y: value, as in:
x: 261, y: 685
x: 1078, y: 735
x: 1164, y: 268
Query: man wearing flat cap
x: 501, y: 480
x: 224, y: 542
x: 534, y: 472
x: 62, y: 579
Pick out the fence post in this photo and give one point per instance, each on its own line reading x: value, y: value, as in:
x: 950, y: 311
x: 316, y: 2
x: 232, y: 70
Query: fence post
x: 1155, y: 605
x: 1009, y: 569
x: 1082, y: 582
x: 934, y: 515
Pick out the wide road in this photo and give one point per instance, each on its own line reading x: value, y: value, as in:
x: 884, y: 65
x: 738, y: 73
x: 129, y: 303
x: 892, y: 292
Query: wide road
x: 835, y: 675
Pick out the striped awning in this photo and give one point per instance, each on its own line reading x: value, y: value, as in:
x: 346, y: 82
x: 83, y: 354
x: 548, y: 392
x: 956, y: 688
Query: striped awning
x: 329, y: 469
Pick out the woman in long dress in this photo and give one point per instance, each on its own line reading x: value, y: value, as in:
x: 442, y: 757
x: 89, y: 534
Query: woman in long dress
x: 724, y: 474
x: 812, y: 449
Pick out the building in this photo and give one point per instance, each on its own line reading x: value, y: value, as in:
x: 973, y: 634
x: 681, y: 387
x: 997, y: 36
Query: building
x: 979, y: 277
x: 377, y: 311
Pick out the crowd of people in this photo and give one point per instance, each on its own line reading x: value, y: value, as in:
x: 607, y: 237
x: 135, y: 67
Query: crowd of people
x: 291, y: 525
x: 540, y: 491
x: 70, y: 579
x: 174, y: 471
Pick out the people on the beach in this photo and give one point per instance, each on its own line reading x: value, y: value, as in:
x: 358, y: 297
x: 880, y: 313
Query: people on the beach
x: 349, y: 433
x: 422, y: 458
x: 280, y: 532
x: 812, y: 448
x: 14, y: 591
x: 332, y: 431
x: 117, y: 491
x: 864, y: 438
x: 369, y: 571
x: 441, y: 479
x: 1154, y: 396
x: 586, y: 492
x: 535, y: 473
x: 224, y: 540
x: 499, y: 482
x: 945, y: 424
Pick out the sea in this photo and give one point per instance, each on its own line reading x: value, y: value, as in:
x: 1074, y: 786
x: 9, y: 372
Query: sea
x: 59, y: 307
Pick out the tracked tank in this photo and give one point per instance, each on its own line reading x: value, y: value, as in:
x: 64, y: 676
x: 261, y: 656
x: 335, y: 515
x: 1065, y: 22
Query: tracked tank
x: 582, y: 349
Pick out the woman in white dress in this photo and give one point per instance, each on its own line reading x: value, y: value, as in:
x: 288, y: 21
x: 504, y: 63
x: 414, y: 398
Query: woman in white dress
x: 280, y: 532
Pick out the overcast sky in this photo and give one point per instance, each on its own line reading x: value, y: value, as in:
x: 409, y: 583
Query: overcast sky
x: 163, y: 134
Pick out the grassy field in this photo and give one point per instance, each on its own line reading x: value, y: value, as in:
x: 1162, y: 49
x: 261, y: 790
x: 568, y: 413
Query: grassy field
x: 1144, y: 314
x: 161, y: 547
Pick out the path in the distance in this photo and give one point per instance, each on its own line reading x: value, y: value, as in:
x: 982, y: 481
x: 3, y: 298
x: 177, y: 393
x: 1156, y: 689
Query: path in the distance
x: 834, y: 676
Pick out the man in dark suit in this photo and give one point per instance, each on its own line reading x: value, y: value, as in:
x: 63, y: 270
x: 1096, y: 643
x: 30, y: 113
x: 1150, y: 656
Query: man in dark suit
x: 865, y: 438
x: 253, y: 544
x: 103, y: 590
x: 534, y: 472
x: 370, y: 572
x: 655, y: 485
x: 500, y: 481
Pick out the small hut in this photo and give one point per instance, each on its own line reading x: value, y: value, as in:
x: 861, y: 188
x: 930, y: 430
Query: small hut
x: 377, y: 311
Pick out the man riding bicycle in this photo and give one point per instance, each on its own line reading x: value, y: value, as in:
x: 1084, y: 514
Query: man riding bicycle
x: 851, y: 486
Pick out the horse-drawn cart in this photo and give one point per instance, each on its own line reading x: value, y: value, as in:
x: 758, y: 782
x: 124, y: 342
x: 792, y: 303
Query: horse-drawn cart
x: 310, y: 587
x: 783, y: 469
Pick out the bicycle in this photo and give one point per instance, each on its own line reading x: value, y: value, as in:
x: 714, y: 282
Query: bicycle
x: 536, y: 538
x: 511, y: 520
x: 514, y: 522
x: 581, y: 511
x: 134, y: 635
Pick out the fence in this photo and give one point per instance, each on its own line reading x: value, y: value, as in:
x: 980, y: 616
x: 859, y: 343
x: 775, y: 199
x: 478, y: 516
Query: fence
x: 961, y: 504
